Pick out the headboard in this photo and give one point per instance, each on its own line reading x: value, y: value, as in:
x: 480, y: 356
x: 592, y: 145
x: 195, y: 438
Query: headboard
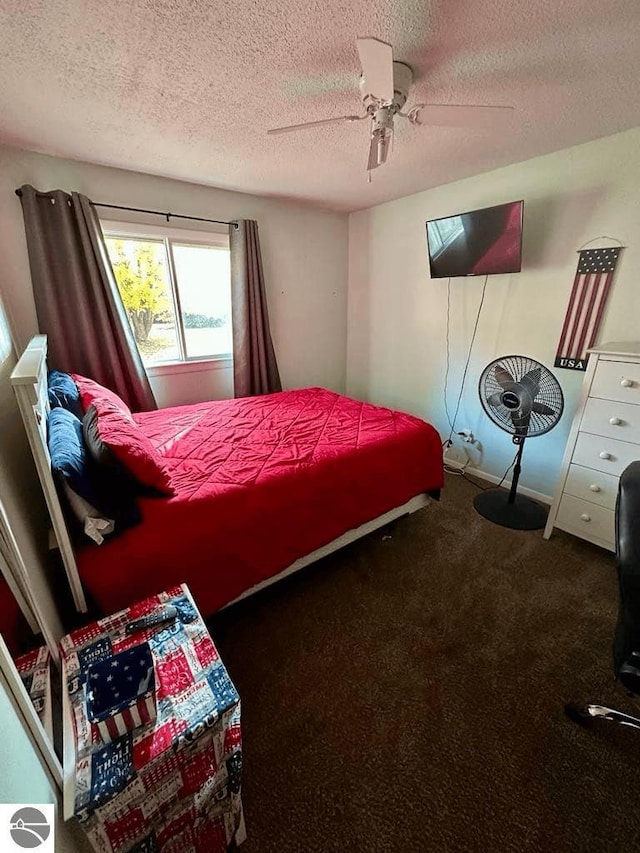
x: 29, y: 381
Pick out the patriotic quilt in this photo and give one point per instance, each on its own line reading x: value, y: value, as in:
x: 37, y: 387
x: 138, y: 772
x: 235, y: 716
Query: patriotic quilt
x: 174, y: 782
x: 34, y: 669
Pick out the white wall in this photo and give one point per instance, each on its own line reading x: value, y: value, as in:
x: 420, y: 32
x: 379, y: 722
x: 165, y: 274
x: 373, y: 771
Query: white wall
x: 397, y: 314
x: 304, y: 253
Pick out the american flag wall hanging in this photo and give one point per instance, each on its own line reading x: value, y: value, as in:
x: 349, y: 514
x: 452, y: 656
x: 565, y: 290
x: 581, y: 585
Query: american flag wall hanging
x: 589, y: 293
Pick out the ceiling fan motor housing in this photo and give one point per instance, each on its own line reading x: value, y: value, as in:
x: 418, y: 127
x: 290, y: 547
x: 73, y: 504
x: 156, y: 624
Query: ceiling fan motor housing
x: 382, y: 118
x: 402, y: 80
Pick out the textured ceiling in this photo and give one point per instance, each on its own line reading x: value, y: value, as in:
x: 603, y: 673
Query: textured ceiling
x: 186, y: 88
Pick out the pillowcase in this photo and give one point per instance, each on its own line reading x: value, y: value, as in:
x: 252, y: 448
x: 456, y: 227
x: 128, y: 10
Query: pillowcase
x: 95, y: 525
x: 97, y: 504
x: 117, y: 444
x: 63, y: 392
x: 90, y: 391
x: 66, y: 448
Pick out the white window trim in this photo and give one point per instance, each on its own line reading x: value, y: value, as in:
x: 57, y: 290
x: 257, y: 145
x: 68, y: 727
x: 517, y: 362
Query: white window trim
x: 164, y: 368
x: 217, y: 237
x: 189, y: 235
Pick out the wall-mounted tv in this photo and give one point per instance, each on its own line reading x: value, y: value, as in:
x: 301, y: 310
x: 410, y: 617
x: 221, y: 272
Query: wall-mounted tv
x: 481, y: 242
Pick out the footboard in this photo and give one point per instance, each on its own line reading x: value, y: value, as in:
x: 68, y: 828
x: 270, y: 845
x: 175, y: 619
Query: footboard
x: 29, y: 381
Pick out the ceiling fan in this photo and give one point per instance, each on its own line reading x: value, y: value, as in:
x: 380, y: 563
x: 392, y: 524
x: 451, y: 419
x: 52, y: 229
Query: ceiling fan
x: 384, y: 88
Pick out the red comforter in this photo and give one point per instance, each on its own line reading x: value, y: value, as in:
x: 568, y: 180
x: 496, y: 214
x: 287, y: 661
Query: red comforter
x: 260, y: 482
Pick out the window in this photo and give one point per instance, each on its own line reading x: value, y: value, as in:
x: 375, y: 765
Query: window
x: 444, y: 231
x: 175, y: 287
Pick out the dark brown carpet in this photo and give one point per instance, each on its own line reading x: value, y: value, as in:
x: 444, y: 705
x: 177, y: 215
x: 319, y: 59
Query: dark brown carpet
x: 407, y: 695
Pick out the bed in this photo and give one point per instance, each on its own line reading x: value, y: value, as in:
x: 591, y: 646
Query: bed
x: 262, y: 487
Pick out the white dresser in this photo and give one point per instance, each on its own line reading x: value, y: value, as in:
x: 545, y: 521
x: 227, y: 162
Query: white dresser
x: 604, y: 439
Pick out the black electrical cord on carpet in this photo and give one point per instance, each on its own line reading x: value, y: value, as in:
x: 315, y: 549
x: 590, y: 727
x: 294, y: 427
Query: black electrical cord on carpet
x: 485, y: 488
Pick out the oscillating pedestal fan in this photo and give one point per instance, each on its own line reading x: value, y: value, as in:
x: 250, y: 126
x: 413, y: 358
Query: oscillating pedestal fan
x: 524, y: 398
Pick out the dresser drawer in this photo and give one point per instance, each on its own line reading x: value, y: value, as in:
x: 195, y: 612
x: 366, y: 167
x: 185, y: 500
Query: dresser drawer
x: 604, y: 453
x: 617, y: 380
x: 587, y: 520
x: 593, y: 486
x: 613, y: 419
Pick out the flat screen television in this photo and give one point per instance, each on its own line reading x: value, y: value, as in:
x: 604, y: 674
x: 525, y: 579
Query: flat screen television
x: 481, y: 242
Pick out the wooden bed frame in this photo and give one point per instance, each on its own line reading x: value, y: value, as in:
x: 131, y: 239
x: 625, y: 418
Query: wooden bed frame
x: 29, y: 380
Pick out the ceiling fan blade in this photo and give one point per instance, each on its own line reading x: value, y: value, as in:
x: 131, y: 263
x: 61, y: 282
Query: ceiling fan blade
x: 376, y: 59
x: 531, y: 381
x: 379, y: 148
x: 306, y: 124
x: 459, y: 115
x: 502, y: 375
x: 542, y: 409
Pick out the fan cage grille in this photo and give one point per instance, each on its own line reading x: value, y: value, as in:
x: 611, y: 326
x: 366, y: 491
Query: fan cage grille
x: 518, y: 366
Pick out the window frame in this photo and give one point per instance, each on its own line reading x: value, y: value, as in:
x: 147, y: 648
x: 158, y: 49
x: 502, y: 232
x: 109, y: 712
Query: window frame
x: 217, y: 237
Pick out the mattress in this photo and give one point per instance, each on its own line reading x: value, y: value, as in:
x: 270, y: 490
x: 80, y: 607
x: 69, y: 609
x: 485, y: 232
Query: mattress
x: 259, y: 482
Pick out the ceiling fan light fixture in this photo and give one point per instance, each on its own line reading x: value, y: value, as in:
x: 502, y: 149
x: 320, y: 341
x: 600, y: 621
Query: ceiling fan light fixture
x: 384, y: 142
x: 379, y: 148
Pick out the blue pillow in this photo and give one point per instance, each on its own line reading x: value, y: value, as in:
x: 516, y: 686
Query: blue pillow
x: 68, y: 454
x: 64, y: 393
x: 72, y: 465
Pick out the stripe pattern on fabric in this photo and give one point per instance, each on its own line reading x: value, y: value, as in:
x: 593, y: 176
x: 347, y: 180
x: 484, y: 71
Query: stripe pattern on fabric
x: 591, y: 287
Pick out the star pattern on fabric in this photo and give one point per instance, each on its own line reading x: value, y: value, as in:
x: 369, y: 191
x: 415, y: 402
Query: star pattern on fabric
x: 598, y: 260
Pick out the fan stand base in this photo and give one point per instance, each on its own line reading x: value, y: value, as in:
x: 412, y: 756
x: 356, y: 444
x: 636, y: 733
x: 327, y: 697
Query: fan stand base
x: 522, y: 514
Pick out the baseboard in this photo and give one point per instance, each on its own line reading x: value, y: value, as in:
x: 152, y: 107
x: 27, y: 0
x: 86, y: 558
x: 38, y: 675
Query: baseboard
x: 482, y: 475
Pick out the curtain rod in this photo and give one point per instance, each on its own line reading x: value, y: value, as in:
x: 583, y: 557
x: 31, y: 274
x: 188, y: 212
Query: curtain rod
x: 152, y: 212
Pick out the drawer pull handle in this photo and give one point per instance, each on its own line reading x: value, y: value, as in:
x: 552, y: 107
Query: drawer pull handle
x: 594, y: 487
x: 605, y: 455
x: 585, y: 516
x: 627, y: 383
x: 615, y: 421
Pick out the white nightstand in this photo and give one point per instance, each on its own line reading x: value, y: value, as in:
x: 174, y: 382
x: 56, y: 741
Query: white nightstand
x: 604, y: 439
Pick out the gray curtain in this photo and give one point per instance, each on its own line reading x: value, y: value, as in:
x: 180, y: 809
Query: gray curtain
x: 77, y: 300
x: 255, y: 370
